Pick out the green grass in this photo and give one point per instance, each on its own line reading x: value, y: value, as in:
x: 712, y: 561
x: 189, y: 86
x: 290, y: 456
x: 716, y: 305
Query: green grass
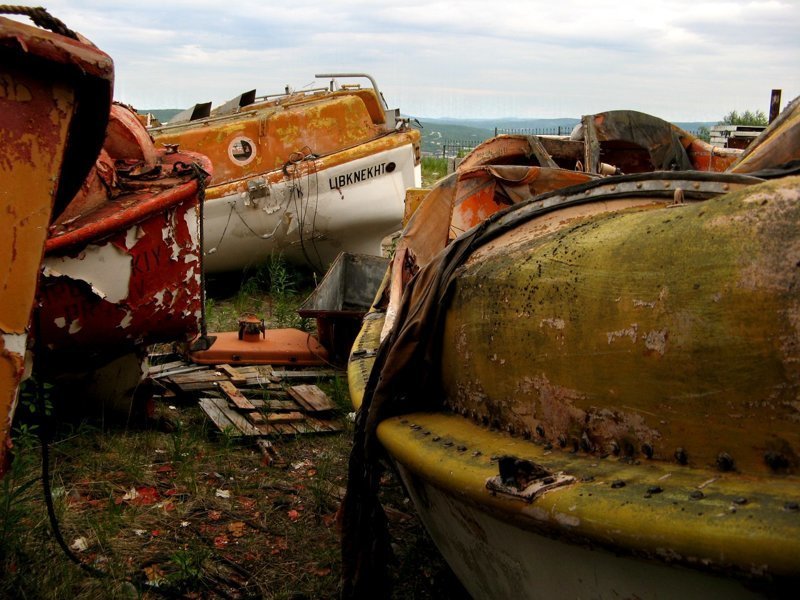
x: 211, y: 519
x: 433, y: 169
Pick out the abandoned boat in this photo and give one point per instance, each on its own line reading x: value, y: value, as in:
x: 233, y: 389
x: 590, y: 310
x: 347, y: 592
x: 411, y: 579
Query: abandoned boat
x: 609, y: 143
x: 593, y: 392
x: 122, y: 266
x: 56, y: 91
x: 309, y: 174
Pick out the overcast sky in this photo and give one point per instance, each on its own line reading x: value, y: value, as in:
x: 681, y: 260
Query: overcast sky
x: 678, y: 59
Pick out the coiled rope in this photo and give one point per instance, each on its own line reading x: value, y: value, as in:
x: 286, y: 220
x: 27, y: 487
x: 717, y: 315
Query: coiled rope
x: 40, y: 17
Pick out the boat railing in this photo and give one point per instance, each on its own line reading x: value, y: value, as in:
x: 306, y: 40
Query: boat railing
x: 367, y: 76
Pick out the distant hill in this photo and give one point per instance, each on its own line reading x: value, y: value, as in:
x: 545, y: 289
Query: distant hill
x: 462, y: 133
x: 162, y: 114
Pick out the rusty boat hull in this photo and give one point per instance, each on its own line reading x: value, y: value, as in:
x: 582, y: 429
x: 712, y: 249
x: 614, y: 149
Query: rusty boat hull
x: 53, y: 88
x: 308, y: 175
x: 122, y: 266
x: 593, y: 392
x: 611, y: 142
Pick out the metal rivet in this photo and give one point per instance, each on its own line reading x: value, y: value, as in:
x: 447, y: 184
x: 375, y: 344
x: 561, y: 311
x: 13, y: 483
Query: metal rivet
x: 617, y: 484
x: 681, y: 456
x: 725, y: 462
x: 638, y: 186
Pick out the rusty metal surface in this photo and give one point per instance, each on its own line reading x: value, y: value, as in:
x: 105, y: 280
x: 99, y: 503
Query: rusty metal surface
x: 660, y: 334
x: 267, y: 136
x: 49, y: 85
x: 123, y: 264
x: 777, y: 145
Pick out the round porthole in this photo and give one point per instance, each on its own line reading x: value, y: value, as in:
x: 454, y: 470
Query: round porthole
x: 242, y: 150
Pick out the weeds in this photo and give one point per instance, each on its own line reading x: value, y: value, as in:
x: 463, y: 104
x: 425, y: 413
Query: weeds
x: 433, y: 169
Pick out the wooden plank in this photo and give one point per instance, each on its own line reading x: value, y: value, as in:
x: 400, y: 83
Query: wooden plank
x: 303, y: 427
x: 325, y: 425
x: 285, y: 417
x: 267, y: 429
x: 275, y: 405
x: 235, y: 396
x: 235, y: 376
x: 218, y: 416
x: 179, y: 371
x: 311, y: 398
x: 200, y: 377
x: 170, y: 366
x: 262, y: 394
x: 255, y: 417
x: 284, y: 428
x: 308, y: 374
x: 234, y: 417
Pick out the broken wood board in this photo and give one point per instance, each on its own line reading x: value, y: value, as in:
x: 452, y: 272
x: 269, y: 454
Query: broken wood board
x: 226, y: 418
x: 234, y: 374
x: 208, y: 379
x: 234, y: 395
x: 311, y: 398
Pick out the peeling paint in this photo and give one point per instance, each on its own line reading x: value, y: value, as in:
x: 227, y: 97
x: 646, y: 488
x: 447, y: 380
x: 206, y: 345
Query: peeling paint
x: 14, y: 342
x: 568, y: 520
x: 630, y: 332
x: 656, y: 341
x: 105, y: 268
x: 555, y: 323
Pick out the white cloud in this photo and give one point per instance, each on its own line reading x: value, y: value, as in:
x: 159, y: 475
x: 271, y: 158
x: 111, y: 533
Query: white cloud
x: 678, y: 59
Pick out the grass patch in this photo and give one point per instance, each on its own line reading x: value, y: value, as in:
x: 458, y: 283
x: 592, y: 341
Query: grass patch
x: 433, y: 169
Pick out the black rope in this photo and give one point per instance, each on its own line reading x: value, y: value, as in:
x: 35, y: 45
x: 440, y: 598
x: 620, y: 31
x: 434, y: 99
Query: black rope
x: 40, y: 17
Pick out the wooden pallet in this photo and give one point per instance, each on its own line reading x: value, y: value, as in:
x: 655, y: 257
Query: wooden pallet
x: 250, y: 401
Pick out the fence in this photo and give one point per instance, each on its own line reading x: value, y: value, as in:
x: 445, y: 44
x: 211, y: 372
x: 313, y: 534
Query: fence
x: 452, y: 148
x: 560, y: 130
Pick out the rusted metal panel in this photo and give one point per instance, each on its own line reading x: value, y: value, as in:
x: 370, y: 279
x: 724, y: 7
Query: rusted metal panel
x: 49, y: 84
x: 644, y: 332
x: 123, y: 264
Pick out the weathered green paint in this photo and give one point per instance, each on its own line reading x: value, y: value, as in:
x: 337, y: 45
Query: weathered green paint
x: 668, y: 327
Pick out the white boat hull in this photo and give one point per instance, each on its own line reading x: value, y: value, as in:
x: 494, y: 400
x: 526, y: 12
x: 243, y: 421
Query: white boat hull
x: 496, y: 559
x: 311, y: 218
